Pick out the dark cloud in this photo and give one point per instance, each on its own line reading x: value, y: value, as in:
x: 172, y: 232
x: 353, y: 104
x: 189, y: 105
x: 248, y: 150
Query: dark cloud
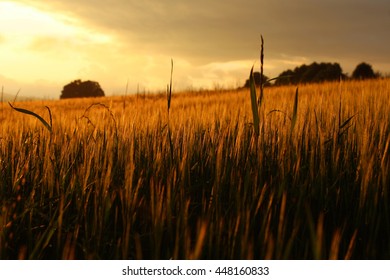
x: 204, y: 31
x: 197, y: 30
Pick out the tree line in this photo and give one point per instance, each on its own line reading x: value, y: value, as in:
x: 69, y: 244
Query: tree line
x: 313, y: 73
x: 317, y: 73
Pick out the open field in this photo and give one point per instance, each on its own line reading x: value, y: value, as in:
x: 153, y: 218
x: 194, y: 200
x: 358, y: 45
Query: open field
x: 119, y: 180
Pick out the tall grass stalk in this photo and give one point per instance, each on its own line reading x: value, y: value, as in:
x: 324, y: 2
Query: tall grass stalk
x: 255, y: 109
x: 169, y: 98
x: 262, y: 82
x: 295, y: 111
x: 169, y: 89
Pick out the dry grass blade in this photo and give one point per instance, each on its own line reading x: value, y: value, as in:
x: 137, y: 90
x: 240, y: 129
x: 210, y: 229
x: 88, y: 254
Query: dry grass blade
x: 200, y: 242
x: 347, y: 121
x: 16, y: 96
x: 169, y: 88
x: 169, y: 98
x: 50, y: 116
x: 105, y: 107
x: 351, y: 246
x: 278, y: 111
x: 27, y: 112
x: 1, y: 101
x: 278, y: 78
x: 255, y: 112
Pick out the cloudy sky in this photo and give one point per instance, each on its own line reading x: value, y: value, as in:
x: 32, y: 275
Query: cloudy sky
x: 214, y: 43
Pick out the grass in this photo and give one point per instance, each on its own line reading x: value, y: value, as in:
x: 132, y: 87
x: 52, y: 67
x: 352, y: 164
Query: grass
x: 107, y: 182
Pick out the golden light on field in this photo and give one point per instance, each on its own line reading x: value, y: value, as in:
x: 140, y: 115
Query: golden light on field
x: 115, y: 178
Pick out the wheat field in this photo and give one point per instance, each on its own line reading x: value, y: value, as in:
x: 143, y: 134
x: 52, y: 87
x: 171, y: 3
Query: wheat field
x: 120, y: 178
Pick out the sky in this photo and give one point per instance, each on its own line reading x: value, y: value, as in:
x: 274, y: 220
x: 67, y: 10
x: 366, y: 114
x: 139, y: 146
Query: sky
x: 213, y: 43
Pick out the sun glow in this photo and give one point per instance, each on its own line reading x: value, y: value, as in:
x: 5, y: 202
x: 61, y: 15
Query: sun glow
x: 33, y: 41
x: 18, y: 20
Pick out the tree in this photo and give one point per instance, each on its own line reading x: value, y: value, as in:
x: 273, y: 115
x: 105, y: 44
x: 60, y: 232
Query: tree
x: 287, y: 77
x: 256, y: 76
x: 328, y: 72
x: 78, y: 88
x: 363, y: 71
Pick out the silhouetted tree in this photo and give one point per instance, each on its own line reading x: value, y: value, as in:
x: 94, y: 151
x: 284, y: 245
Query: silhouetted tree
x: 363, y: 71
x: 286, y: 78
x: 328, y: 72
x: 313, y: 73
x: 78, y: 88
x: 256, y: 76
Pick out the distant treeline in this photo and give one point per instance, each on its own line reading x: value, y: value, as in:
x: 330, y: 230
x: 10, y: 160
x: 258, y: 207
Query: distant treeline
x: 317, y: 73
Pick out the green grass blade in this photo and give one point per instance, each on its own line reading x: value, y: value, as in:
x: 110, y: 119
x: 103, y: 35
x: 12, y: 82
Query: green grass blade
x: 255, y: 112
x: 27, y: 112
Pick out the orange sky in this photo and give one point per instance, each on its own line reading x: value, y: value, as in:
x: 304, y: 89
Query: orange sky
x: 46, y: 44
